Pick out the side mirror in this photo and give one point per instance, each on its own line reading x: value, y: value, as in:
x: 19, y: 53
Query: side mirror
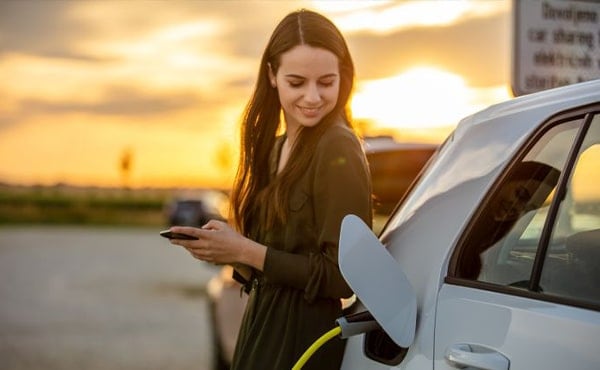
x: 378, y: 280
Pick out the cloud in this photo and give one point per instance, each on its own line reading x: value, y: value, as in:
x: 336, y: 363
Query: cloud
x: 383, y: 17
x: 123, y: 101
x: 477, y: 48
x: 65, y: 29
x: 42, y: 28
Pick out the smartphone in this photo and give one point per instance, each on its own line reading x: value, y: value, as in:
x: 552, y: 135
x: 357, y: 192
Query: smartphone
x: 171, y: 235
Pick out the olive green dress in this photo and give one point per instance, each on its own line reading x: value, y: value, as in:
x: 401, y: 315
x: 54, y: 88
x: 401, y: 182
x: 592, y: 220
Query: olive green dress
x: 296, y: 299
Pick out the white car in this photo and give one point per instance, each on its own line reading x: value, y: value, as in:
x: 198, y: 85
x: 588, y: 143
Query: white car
x: 492, y: 260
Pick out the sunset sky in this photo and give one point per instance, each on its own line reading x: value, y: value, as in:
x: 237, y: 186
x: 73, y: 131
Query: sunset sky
x: 87, y: 83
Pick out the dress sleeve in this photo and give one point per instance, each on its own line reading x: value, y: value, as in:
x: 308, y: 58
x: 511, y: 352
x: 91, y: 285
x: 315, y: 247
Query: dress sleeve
x: 341, y: 186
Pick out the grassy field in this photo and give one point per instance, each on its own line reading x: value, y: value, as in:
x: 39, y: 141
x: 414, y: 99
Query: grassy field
x: 63, y: 204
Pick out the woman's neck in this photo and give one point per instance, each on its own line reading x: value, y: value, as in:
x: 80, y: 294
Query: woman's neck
x: 284, y: 154
x: 291, y: 133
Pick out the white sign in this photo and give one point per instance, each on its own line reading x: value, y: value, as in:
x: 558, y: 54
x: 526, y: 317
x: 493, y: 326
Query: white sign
x: 556, y: 43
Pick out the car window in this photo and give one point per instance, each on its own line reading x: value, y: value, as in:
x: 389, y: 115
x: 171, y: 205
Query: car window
x: 505, y: 238
x: 572, y: 263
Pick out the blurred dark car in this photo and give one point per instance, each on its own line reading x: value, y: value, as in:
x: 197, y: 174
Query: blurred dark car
x: 196, y: 209
x: 393, y: 168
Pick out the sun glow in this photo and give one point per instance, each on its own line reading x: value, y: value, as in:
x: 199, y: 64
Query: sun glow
x: 422, y: 97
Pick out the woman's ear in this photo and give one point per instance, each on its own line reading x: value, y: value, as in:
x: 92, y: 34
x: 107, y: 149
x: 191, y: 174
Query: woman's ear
x: 272, y: 77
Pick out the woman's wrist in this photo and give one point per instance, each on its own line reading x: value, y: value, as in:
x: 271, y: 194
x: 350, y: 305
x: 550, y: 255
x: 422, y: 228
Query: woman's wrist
x: 253, y: 254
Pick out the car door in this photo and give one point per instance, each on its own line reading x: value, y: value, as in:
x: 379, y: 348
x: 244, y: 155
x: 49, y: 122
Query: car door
x: 523, y: 283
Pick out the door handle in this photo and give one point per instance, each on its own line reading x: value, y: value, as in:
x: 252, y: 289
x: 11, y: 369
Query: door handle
x: 464, y: 355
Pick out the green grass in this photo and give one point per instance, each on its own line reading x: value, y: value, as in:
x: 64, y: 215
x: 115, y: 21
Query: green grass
x: 83, y: 206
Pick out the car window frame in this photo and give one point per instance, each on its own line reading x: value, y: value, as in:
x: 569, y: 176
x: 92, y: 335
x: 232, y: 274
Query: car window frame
x: 585, y: 113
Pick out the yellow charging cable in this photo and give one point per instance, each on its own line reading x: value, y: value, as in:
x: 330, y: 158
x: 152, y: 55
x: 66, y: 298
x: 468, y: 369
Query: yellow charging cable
x: 315, y: 346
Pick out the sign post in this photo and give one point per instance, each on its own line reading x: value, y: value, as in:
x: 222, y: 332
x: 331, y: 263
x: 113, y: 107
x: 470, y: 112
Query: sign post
x: 556, y: 43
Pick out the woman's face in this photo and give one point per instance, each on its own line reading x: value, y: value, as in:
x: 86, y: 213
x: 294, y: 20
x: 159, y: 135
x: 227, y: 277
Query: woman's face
x: 308, y: 84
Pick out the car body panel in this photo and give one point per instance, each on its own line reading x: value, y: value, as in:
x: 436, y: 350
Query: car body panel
x: 423, y: 232
x: 534, y: 334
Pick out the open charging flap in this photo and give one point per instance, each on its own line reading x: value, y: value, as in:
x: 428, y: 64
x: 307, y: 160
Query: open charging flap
x: 377, y: 280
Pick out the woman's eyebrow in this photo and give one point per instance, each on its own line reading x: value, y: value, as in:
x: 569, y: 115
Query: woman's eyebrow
x: 329, y: 75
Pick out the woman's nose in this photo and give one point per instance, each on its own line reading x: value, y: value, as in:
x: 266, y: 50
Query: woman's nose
x: 312, y: 94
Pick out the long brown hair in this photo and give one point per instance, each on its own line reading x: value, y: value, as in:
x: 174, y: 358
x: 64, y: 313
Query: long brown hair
x: 261, y: 121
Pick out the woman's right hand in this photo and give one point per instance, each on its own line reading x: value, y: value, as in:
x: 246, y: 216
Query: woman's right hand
x: 218, y: 243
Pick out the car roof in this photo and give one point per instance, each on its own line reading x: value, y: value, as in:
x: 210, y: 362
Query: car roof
x: 542, y: 103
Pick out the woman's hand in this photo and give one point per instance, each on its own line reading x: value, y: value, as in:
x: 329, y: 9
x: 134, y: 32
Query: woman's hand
x: 218, y: 243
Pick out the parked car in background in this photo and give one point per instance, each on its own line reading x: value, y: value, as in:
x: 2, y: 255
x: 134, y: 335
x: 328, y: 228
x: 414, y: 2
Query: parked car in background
x: 226, y: 306
x: 498, y: 242
x: 197, y: 208
x: 393, y: 166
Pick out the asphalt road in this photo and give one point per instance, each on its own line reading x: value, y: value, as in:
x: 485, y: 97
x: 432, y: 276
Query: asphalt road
x: 99, y: 298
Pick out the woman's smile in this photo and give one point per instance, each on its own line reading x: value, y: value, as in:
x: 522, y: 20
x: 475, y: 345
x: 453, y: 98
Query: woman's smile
x: 310, y: 112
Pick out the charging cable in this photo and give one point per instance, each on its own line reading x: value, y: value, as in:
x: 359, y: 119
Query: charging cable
x: 347, y: 326
x: 315, y: 346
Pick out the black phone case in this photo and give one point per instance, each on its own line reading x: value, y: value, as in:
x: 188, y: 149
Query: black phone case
x: 171, y: 235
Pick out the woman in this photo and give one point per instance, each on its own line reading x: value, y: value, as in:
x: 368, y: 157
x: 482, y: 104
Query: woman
x: 290, y: 196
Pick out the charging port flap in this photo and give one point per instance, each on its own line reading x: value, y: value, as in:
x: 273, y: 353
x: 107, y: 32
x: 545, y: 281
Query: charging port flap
x: 378, y: 280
